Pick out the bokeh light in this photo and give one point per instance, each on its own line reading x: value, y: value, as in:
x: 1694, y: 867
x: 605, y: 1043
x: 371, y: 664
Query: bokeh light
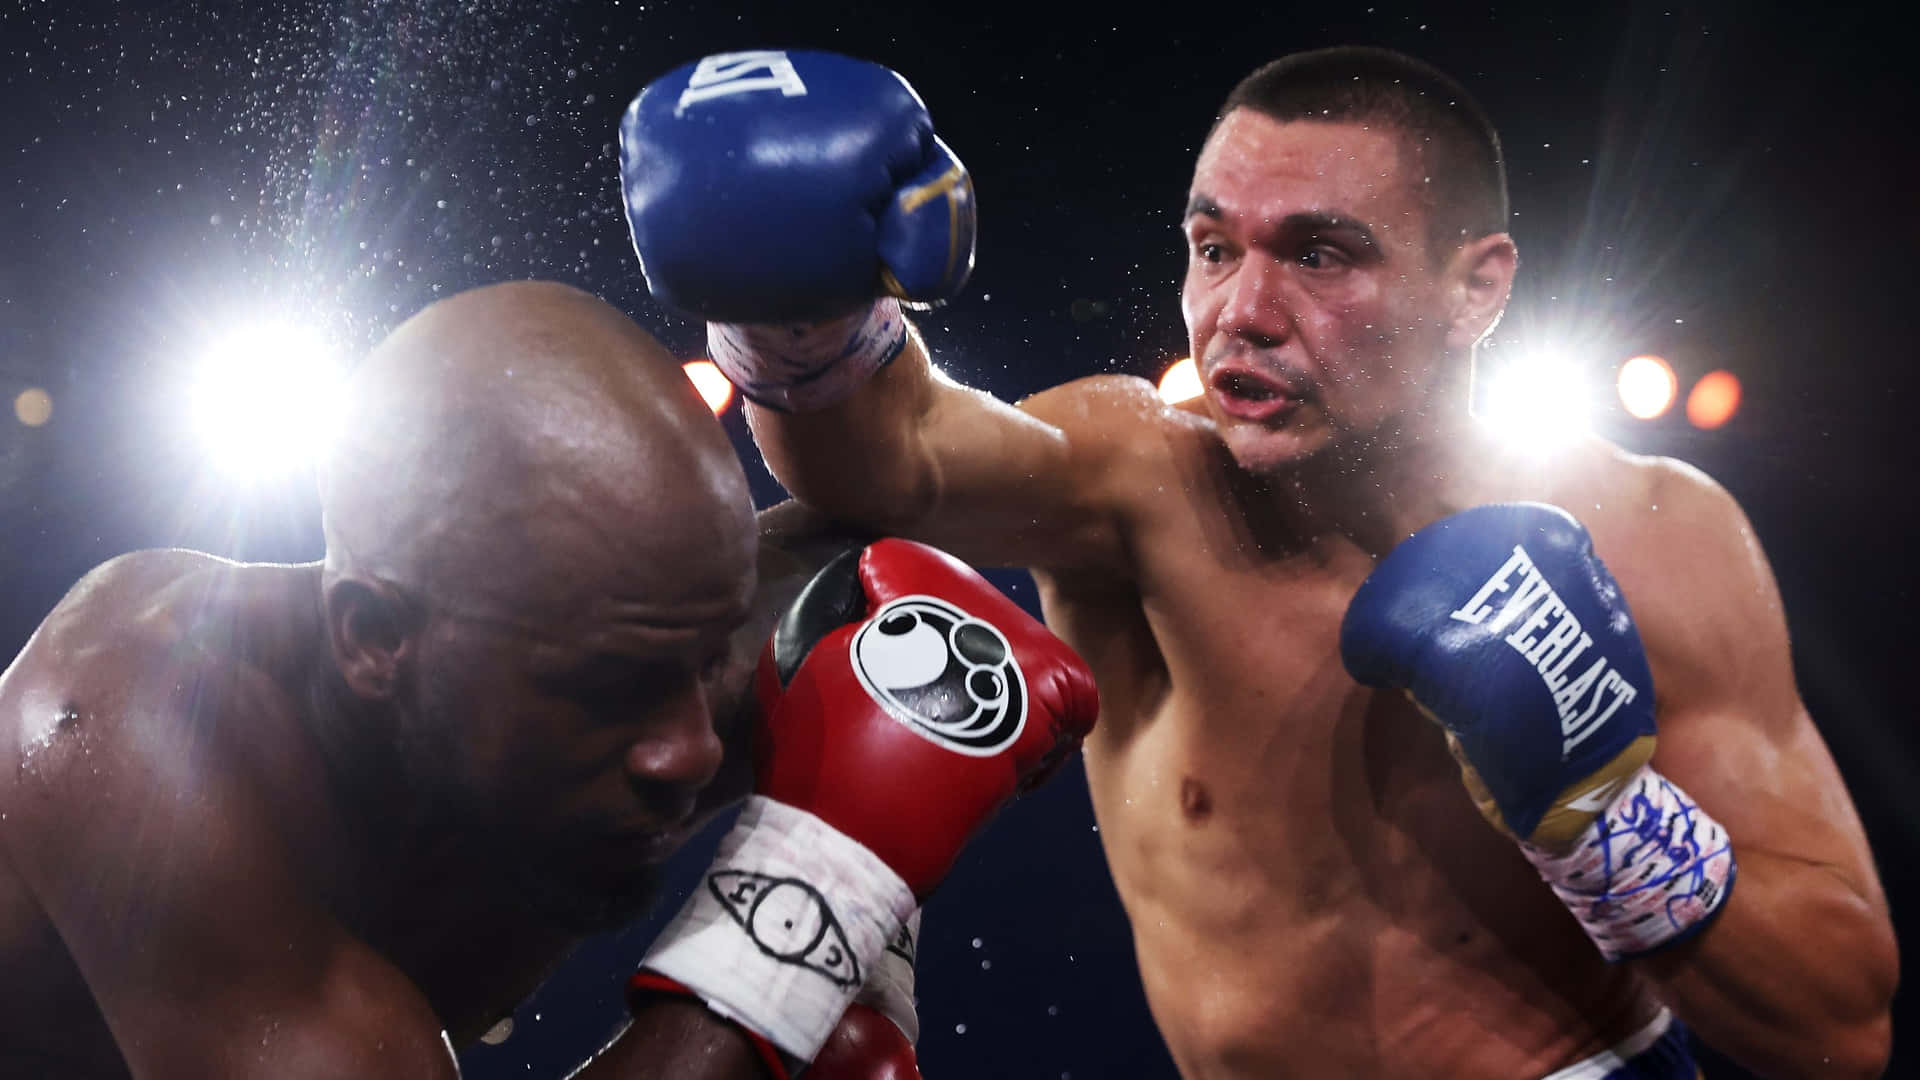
x: 264, y: 399
x: 714, y: 387
x: 33, y: 406
x: 1181, y: 381
x: 1713, y: 400
x: 1540, y: 400
x: 1647, y: 387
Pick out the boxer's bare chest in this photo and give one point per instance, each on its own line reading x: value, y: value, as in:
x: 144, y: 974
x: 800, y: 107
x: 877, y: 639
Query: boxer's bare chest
x: 1230, y: 730
x: 1297, y: 853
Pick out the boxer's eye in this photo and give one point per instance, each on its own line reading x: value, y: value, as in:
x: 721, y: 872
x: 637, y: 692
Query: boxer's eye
x: 1323, y: 257
x: 616, y: 678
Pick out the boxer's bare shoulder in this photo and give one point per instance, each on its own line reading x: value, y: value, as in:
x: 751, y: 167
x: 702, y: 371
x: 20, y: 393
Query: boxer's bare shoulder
x: 1678, y: 543
x: 137, y: 632
x: 1117, y: 419
x: 1129, y: 449
x: 144, y: 767
x: 161, y: 678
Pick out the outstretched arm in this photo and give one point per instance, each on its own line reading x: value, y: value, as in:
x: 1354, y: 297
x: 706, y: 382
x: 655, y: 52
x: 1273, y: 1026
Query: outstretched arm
x: 910, y: 452
x: 790, y: 199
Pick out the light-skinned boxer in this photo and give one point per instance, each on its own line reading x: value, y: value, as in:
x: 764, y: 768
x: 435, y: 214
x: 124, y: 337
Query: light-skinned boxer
x: 1651, y: 833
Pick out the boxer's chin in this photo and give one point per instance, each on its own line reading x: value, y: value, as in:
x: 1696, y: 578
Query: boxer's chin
x: 581, y: 897
x: 1262, y: 451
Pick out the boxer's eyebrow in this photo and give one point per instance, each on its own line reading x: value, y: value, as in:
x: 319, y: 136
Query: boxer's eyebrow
x: 1303, y: 221
x: 623, y: 648
x: 1331, y: 225
x: 1202, y: 206
x: 655, y: 618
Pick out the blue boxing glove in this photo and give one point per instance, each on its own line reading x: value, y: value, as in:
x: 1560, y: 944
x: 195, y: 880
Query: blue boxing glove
x: 790, y: 191
x: 1504, y: 627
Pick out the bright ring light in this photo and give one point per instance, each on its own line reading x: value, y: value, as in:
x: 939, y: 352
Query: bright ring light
x: 1539, y: 401
x: 264, y: 400
x: 1647, y: 387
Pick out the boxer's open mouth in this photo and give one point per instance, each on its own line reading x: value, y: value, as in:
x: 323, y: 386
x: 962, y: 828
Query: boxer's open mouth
x: 1252, y: 395
x: 1247, y: 387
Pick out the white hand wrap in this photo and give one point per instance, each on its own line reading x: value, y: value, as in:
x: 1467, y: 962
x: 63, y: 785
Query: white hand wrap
x: 1651, y: 869
x: 788, y: 923
x: 889, y: 989
x: 803, y: 367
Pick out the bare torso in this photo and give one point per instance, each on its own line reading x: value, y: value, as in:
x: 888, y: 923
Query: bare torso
x: 174, y: 606
x: 1311, y: 890
x: 244, y: 642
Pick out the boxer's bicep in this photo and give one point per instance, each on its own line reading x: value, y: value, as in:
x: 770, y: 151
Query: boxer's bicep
x: 195, y: 921
x: 1801, y: 960
x: 1733, y: 731
x: 917, y: 455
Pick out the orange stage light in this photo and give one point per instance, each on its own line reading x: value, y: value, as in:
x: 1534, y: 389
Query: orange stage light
x: 33, y: 407
x: 1714, y: 400
x: 713, y: 386
x: 1181, y: 382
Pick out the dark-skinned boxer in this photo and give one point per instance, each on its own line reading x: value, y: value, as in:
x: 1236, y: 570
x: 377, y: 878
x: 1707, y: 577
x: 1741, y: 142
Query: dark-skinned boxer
x: 337, y: 819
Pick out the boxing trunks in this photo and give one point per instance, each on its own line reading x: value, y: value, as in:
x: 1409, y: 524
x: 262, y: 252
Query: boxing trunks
x: 1655, y: 1052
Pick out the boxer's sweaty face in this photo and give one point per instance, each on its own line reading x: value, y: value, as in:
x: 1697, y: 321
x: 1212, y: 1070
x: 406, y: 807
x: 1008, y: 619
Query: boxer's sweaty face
x: 1310, y: 296
x: 574, y: 737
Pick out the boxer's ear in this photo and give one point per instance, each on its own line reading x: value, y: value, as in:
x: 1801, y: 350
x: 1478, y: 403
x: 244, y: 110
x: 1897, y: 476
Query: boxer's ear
x: 370, y: 628
x: 1479, y: 278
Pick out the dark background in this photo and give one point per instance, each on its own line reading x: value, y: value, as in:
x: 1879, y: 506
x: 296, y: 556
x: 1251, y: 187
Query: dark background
x: 1727, y: 185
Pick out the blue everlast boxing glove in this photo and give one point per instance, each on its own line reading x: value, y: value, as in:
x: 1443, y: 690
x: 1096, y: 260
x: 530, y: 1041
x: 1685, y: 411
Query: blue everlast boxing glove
x: 769, y: 189
x: 1504, y: 627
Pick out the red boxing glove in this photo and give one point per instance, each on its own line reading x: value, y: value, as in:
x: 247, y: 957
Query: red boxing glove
x: 865, y: 1046
x: 905, y: 699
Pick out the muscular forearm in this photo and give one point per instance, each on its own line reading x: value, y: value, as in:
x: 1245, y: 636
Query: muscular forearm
x: 1793, y: 978
x: 674, y: 1039
x: 865, y: 459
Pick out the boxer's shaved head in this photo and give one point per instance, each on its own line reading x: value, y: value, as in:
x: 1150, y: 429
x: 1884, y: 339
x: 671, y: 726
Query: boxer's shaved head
x: 1461, y: 172
x: 539, y: 540
x: 502, y: 426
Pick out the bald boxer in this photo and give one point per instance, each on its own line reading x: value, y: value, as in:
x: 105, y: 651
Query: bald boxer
x: 1317, y: 598
x: 337, y: 819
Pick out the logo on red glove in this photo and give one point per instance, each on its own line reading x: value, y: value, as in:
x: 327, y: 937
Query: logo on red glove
x: 948, y: 675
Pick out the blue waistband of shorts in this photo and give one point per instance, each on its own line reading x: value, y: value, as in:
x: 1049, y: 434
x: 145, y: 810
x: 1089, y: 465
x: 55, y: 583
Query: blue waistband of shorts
x: 1655, y: 1052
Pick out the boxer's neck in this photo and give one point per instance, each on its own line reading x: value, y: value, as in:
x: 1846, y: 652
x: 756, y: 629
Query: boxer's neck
x: 388, y: 821
x: 1376, y: 489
